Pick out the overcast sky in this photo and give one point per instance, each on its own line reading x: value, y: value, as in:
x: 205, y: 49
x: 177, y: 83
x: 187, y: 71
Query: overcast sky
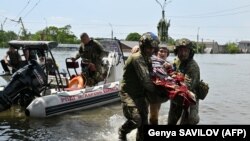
x: 219, y: 20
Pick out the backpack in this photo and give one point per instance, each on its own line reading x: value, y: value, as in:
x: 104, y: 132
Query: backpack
x: 203, y: 89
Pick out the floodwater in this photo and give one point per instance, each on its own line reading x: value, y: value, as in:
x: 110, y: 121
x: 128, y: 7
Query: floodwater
x: 227, y: 103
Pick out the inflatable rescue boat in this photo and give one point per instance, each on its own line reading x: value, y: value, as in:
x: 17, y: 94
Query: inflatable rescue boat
x: 67, y: 101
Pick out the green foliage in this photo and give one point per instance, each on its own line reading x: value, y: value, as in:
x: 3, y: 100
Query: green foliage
x: 232, y: 48
x: 133, y: 36
x: 52, y: 33
x: 199, y: 47
x: 171, y: 41
x: 5, y: 37
x: 61, y: 35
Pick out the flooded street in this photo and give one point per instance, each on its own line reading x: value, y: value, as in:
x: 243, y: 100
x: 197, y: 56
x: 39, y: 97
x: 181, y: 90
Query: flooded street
x: 227, y: 103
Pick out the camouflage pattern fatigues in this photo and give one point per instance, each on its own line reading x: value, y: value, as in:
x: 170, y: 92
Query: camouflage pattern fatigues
x: 134, y: 87
x: 93, y: 52
x: 191, y: 69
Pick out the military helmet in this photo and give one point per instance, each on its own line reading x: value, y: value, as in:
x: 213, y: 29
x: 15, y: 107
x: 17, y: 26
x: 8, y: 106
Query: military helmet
x: 184, y: 42
x: 149, y: 39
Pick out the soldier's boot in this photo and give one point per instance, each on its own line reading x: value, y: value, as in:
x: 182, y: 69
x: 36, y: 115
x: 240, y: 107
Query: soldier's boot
x: 122, y: 135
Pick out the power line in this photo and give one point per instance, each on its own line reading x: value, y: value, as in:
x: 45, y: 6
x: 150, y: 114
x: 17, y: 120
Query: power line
x: 212, y: 16
x: 225, y: 10
x: 217, y: 13
x: 31, y: 9
x: 23, y: 9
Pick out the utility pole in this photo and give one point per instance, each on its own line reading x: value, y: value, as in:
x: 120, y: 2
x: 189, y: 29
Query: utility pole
x: 3, y: 23
x: 3, y: 33
x: 22, y: 27
x: 197, y: 40
x: 198, y: 35
x: 46, y: 29
x: 24, y: 30
x: 111, y: 30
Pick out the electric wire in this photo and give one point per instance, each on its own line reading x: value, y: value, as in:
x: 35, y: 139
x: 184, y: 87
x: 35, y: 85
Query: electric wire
x: 31, y: 9
x: 23, y: 9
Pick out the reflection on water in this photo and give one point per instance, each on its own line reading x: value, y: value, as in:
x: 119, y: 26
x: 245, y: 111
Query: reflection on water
x: 95, y: 124
x: 227, y: 103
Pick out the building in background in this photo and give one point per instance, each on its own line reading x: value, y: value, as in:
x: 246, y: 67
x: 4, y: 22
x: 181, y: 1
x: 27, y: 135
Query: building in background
x: 244, y: 46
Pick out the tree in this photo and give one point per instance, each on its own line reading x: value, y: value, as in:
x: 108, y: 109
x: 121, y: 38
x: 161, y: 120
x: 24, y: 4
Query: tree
x: 133, y: 36
x: 232, y: 48
x: 6, y: 36
x: 64, y: 35
x: 60, y: 35
x: 199, y: 47
x: 171, y: 41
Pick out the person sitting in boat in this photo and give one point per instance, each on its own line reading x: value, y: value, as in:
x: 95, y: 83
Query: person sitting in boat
x: 41, y: 56
x: 29, y: 54
x: 13, y: 62
x: 91, y: 52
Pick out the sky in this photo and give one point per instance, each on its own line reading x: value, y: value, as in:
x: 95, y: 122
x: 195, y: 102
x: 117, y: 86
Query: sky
x: 222, y: 21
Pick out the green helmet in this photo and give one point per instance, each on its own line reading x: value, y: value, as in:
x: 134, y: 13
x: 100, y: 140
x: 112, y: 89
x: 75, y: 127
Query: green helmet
x: 184, y: 42
x: 149, y: 39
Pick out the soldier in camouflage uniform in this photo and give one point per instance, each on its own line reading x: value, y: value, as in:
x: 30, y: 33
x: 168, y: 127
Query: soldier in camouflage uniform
x: 91, y: 52
x: 189, y: 67
x: 136, y: 87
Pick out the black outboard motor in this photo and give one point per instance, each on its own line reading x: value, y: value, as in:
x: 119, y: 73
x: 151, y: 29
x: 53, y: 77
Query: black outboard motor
x: 29, y: 80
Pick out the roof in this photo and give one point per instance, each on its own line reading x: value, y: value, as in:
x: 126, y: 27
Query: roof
x: 210, y: 44
x: 69, y: 45
x: 244, y: 41
x: 17, y: 44
x: 129, y: 44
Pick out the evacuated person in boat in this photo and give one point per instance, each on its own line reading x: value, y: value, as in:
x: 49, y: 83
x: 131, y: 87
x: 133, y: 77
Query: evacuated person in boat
x: 29, y: 54
x: 137, y: 88
x: 160, y: 67
x: 47, y: 63
x: 11, y: 59
x: 91, y: 52
x: 189, y: 67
